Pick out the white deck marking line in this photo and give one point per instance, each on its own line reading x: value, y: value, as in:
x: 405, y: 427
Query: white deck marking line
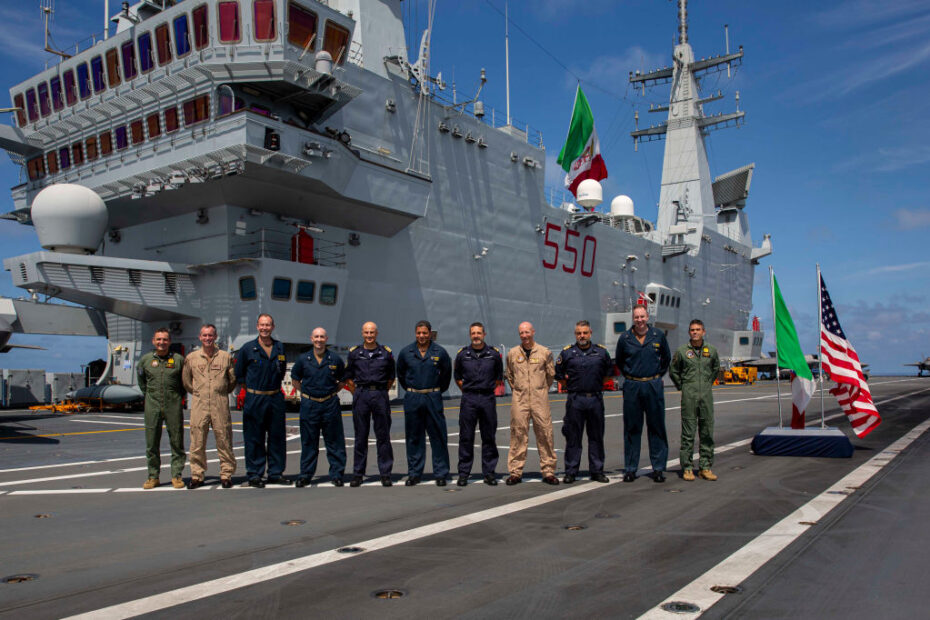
x: 747, y: 560
x: 58, y: 492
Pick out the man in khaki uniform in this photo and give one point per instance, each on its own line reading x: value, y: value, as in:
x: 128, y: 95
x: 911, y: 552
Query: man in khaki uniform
x: 530, y: 372
x: 209, y: 377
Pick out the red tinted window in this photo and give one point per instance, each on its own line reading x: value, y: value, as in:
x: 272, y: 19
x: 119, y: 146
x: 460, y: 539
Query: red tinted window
x: 196, y: 110
x: 112, y: 59
x: 301, y: 26
x: 52, y: 162
x: 201, y: 30
x: 57, y: 101
x: 77, y: 153
x: 263, y: 20
x: 44, y: 106
x: 229, y: 22
x: 137, y: 131
x: 129, y: 60
x: 36, y: 168
x: 335, y: 39
x: 154, y: 126
x: 90, y: 146
x: 20, y: 110
x: 171, y: 120
x: 163, y: 44
x: 106, y: 143
x: 70, y: 91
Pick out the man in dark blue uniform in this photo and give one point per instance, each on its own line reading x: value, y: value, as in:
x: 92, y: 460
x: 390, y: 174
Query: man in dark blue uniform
x: 424, y: 370
x: 318, y: 375
x: 369, y: 375
x: 643, y: 357
x: 478, y: 370
x: 581, y: 369
x: 260, y: 367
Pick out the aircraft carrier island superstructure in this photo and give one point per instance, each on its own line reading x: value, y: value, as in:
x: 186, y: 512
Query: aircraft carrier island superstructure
x: 285, y: 156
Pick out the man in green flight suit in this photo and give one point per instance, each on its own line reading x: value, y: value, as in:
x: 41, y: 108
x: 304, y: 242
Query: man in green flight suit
x: 693, y: 370
x: 160, y: 381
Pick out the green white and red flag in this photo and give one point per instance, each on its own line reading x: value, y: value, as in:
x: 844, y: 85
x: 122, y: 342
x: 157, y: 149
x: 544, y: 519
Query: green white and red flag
x: 790, y: 356
x: 581, y: 155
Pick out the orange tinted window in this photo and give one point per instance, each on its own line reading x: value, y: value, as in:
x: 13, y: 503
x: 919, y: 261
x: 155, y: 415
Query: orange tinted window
x: 90, y: 146
x: 163, y: 44
x: 138, y: 134
x: 301, y: 26
x: 77, y: 153
x: 112, y: 59
x: 52, y: 162
x: 20, y: 110
x: 36, y: 168
x: 335, y: 39
x: 106, y: 143
x: 201, y: 30
x: 263, y: 20
x: 171, y: 120
x: 154, y: 126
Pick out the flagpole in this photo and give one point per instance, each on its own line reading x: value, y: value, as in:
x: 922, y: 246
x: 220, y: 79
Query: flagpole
x: 823, y: 423
x: 775, y: 335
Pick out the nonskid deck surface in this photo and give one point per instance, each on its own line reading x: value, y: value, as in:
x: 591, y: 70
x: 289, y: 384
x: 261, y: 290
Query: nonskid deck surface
x: 455, y: 552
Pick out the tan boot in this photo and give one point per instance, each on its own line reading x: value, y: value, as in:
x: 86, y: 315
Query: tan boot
x: 177, y: 482
x: 688, y: 474
x: 707, y: 474
x: 151, y: 483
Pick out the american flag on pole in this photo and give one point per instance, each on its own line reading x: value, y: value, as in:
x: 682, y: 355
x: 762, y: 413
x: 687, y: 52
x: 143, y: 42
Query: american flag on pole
x: 840, y: 360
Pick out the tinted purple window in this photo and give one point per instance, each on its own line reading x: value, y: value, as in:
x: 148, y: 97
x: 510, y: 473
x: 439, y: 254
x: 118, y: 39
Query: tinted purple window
x: 57, y: 102
x: 31, y: 106
x: 44, y: 106
x: 83, y: 76
x: 64, y: 156
x: 129, y: 60
x: 122, y: 138
x: 146, y: 60
x: 96, y: 70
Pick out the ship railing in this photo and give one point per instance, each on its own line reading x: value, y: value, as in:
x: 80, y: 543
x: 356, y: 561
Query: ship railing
x: 279, y: 245
x: 492, y: 118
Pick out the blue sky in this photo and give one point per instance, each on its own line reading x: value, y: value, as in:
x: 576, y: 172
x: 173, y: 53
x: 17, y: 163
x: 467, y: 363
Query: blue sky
x: 835, y: 95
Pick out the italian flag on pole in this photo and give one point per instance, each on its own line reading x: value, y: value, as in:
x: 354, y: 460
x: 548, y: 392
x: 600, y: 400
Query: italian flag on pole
x: 581, y: 156
x: 791, y: 357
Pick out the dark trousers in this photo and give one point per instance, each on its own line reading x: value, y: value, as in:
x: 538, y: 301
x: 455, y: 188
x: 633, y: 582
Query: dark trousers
x: 263, y: 430
x: 367, y: 407
x: 325, y: 417
x: 580, y: 412
x: 644, y: 397
x: 477, y: 410
x: 423, y: 416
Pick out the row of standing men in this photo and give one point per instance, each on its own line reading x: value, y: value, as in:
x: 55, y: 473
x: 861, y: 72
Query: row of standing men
x: 425, y: 371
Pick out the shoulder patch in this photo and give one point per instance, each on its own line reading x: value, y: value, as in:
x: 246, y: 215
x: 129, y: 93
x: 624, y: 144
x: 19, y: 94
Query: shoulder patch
x: 352, y: 348
x: 388, y: 349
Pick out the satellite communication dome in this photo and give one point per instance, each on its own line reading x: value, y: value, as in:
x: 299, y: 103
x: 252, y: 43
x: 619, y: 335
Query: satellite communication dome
x: 69, y: 218
x: 622, y: 205
x: 589, y: 194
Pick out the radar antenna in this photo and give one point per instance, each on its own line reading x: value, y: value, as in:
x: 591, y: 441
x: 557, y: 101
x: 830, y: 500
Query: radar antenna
x: 48, y: 10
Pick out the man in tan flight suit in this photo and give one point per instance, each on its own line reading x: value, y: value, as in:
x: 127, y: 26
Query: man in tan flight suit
x: 209, y: 377
x: 530, y: 372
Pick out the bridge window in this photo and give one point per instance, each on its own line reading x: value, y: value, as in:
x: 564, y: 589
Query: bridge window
x: 112, y: 68
x: 229, y: 22
x: 154, y: 125
x: 163, y: 44
x: 335, y: 39
x: 301, y: 26
x: 31, y: 106
x: 129, y: 60
x: 36, y: 168
x: 263, y: 20
x: 281, y: 289
x: 44, y: 107
x: 96, y: 71
x: 182, y: 42
x: 64, y: 156
x: 20, y: 110
x: 305, y: 291
x: 83, y: 81
x: 106, y: 143
x: 136, y: 131
x: 122, y: 138
x: 662, y: 299
x: 146, y: 58
x: 52, y: 162
x: 743, y: 341
x: 247, y: 288
x: 228, y: 103
x: 57, y: 101
x: 196, y: 110
x: 77, y: 153
x: 171, y: 120
x: 328, y: 294
x: 201, y: 28
x: 619, y: 327
x: 90, y: 147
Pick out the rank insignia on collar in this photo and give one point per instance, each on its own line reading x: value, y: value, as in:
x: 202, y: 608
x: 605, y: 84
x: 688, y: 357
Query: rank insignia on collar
x: 655, y: 344
x: 280, y: 358
x: 435, y: 358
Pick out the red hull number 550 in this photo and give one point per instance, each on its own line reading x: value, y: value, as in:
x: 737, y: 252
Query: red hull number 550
x: 570, y: 250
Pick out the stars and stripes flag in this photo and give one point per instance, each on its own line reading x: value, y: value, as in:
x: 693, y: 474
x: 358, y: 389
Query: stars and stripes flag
x: 840, y: 360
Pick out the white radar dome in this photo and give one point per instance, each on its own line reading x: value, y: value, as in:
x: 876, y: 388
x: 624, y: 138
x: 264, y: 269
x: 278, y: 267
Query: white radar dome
x: 622, y: 205
x: 69, y: 218
x: 589, y: 194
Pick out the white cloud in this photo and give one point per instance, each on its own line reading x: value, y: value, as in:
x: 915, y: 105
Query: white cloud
x: 887, y: 159
x: 894, y: 268
x: 908, y: 219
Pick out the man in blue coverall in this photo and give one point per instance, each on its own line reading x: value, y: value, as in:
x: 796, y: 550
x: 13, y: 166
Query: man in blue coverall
x: 260, y: 367
x: 369, y: 376
x: 424, y: 370
x: 581, y: 369
x: 643, y: 357
x: 478, y: 370
x: 318, y: 376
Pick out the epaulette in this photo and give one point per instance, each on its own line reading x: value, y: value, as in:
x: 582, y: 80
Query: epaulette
x: 352, y: 348
x: 460, y: 350
x: 388, y: 349
x: 602, y: 346
x: 567, y: 347
x: 496, y: 350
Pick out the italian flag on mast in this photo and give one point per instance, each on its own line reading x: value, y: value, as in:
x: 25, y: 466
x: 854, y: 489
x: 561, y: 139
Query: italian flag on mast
x: 581, y: 156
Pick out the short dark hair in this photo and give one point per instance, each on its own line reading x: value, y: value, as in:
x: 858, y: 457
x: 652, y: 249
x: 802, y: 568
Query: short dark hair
x: 208, y: 326
x: 477, y: 324
x: 695, y: 322
x: 638, y: 306
x: 582, y: 323
x: 264, y: 314
x: 425, y: 324
x: 162, y: 330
